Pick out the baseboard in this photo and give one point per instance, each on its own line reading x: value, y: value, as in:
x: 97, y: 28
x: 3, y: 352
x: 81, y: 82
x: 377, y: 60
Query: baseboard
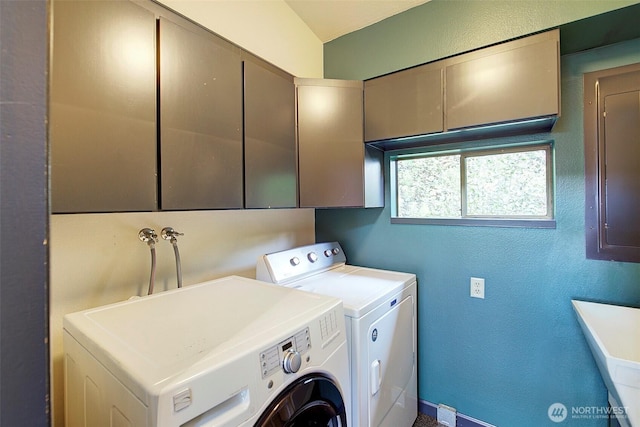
x: 431, y: 410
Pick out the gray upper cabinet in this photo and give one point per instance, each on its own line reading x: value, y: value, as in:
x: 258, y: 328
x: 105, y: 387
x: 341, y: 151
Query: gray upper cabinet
x: 103, y: 107
x: 201, y: 164
x: 405, y: 103
x: 336, y: 168
x: 512, y: 83
x: 269, y: 142
x: 507, y: 82
x: 122, y: 142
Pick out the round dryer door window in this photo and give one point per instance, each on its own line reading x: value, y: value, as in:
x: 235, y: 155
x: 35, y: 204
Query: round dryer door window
x: 312, y: 400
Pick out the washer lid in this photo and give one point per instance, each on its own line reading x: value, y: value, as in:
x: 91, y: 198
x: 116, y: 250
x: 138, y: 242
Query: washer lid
x: 152, y: 342
x: 360, y: 288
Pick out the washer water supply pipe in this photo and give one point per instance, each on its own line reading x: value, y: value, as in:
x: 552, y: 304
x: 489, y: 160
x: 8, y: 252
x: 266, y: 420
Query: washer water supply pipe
x: 150, y: 237
x: 171, y: 235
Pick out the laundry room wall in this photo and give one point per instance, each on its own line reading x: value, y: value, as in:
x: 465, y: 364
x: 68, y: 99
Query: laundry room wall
x: 97, y: 259
x: 504, y: 359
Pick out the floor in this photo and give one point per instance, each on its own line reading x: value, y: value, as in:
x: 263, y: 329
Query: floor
x: 425, y: 421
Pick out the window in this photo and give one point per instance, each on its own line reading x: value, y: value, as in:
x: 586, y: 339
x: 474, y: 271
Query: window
x: 499, y: 186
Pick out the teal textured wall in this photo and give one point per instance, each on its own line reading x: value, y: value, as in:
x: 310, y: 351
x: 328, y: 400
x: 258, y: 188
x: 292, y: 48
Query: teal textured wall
x: 505, y: 359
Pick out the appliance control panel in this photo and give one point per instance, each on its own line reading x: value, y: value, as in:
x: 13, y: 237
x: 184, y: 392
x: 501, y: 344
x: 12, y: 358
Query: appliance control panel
x: 293, y: 264
x: 286, y: 355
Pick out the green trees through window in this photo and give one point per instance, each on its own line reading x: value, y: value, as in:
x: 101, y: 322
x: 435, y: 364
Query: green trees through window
x: 429, y: 187
x: 513, y: 183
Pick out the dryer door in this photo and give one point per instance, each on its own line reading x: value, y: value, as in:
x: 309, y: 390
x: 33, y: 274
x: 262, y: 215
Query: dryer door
x: 391, y: 363
x: 312, y: 400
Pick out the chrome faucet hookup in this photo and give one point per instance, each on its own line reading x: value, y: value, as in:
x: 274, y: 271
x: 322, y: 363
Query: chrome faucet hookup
x: 149, y: 236
x: 168, y: 233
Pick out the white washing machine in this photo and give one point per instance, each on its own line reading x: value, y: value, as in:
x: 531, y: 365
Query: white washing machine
x: 229, y: 352
x: 380, y: 310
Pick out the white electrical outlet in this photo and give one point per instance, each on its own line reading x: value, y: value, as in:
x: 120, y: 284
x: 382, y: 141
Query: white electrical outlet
x: 477, y: 287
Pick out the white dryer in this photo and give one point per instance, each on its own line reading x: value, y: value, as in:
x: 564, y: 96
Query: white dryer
x: 229, y: 352
x: 380, y: 310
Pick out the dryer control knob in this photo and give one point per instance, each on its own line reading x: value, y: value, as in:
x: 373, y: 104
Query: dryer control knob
x: 291, y: 362
x: 312, y: 256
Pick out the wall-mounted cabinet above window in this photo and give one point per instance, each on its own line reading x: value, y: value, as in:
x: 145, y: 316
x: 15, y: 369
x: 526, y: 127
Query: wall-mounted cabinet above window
x: 506, y: 89
x: 405, y: 103
x: 508, y: 82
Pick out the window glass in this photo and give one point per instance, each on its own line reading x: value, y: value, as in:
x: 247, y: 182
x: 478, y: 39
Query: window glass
x: 512, y: 183
x: 429, y: 187
x: 509, y: 184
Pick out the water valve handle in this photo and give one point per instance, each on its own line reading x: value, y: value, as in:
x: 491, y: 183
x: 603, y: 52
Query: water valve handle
x: 169, y: 233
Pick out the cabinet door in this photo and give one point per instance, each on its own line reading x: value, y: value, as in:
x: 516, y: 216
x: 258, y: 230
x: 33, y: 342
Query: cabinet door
x: 335, y: 167
x: 612, y: 163
x: 103, y: 107
x: 269, y: 142
x: 200, y: 119
x: 405, y: 103
x: 512, y: 81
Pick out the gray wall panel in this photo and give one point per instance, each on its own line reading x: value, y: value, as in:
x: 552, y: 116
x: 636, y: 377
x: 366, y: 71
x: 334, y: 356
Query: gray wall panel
x: 24, y: 364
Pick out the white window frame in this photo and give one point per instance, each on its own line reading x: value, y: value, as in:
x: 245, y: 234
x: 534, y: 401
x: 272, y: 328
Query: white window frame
x: 542, y: 221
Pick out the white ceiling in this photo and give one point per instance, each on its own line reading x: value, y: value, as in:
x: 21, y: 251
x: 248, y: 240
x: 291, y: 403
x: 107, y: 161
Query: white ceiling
x: 330, y: 19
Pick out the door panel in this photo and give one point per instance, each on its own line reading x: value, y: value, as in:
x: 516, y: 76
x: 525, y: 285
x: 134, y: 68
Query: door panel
x: 612, y: 163
x: 103, y: 107
x: 405, y: 103
x: 331, y: 145
x: 270, y: 144
x: 200, y: 120
x: 622, y: 163
x: 391, y: 358
x: 516, y: 82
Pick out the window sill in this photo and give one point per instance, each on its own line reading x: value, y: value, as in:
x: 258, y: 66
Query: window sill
x: 479, y: 222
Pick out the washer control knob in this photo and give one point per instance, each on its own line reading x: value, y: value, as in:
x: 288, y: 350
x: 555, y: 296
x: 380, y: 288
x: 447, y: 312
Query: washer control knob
x: 312, y: 257
x: 294, y: 261
x: 328, y: 253
x: 291, y: 362
x: 335, y: 251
